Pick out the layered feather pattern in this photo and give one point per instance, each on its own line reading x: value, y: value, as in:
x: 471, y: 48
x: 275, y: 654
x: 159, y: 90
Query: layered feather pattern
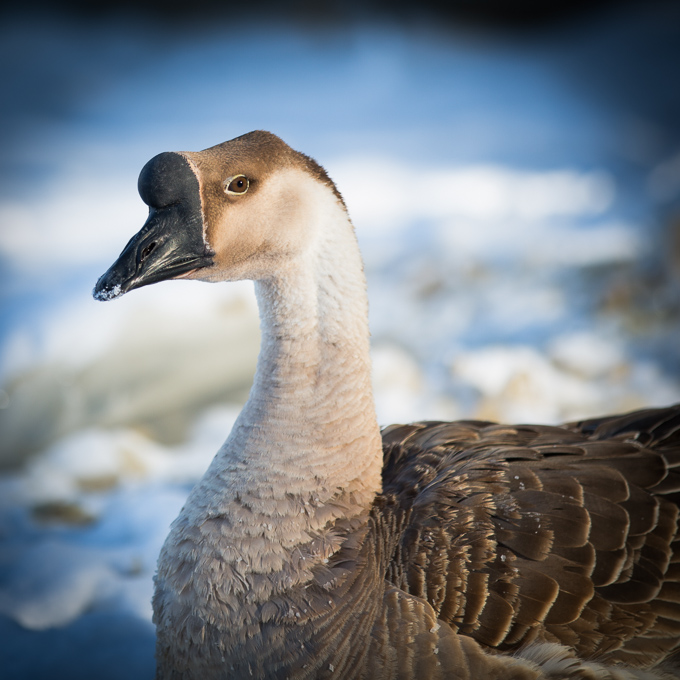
x: 543, y: 534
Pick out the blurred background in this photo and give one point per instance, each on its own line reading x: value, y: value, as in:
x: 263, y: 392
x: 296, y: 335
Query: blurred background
x: 513, y: 174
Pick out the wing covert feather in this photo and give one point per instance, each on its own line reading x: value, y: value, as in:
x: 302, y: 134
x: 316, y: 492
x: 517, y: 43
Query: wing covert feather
x: 557, y: 534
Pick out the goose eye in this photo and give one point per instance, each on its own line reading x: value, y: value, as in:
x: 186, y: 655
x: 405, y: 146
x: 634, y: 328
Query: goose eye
x: 237, y: 185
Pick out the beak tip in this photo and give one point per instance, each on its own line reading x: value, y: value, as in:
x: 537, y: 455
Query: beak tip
x: 104, y: 292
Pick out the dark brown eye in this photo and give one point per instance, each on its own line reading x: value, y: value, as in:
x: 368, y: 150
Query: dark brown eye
x: 237, y: 185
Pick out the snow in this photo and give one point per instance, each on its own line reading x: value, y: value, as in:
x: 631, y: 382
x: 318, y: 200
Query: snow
x: 586, y: 354
x: 515, y: 254
x: 401, y: 391
x: 106, y: 295
x: 72, y: 223
x: 518, y: 384
x: 399, y: 193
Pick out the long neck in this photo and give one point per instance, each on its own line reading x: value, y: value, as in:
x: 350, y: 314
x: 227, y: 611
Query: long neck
x: 309, y: 427
x: 306, y: 449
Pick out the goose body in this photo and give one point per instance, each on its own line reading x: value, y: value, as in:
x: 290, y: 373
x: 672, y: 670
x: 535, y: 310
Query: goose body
x: 316, y: 546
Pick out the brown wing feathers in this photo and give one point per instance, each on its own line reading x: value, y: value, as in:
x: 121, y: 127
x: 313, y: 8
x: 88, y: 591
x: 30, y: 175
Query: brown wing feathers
x: 559, y: 534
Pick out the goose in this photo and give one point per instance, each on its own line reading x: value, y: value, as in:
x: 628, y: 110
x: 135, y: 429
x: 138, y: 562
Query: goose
x: 317, y: 546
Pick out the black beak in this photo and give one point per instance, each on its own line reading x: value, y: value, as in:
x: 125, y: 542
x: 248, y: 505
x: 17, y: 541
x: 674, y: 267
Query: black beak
x: 165, y: 248
x: 171, y: 241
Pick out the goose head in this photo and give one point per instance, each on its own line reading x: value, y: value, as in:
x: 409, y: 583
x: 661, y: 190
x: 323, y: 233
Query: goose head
x: 238, y: 210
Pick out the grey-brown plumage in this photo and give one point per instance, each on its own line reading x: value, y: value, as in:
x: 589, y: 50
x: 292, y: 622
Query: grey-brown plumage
x: 315, y: 548
x: 559, y: 534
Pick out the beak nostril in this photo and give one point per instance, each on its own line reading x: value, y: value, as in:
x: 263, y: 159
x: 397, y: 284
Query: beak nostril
x: 148, y: 250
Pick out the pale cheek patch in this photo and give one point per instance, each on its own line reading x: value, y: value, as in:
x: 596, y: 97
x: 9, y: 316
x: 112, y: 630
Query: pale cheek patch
x: 253, y: 235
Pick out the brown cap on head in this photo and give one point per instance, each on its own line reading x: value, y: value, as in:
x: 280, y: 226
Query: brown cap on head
x: 256, y: 155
